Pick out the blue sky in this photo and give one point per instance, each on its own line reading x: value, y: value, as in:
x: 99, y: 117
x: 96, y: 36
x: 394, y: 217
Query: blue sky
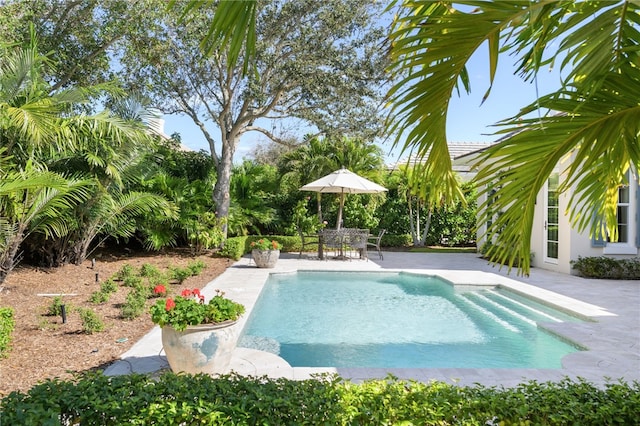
x: 468, y: 121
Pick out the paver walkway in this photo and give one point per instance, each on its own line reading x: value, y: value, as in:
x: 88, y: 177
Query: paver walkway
x: 613, y: 339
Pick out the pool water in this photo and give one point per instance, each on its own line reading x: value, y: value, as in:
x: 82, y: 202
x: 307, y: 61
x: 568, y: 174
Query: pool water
x: 399, y: 320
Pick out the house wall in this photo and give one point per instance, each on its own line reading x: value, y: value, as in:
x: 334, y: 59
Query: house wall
x: 571, y: 243
x: 538, y: 237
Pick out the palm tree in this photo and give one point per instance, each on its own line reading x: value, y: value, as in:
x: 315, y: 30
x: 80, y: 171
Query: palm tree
x: 31, y: 197
x: 594, y: 116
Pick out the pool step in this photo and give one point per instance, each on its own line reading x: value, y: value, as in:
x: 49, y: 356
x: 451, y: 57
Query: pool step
x: 500, y: 307
x: 488, y: 313
x: 517, y: 314
x: 538, y: 313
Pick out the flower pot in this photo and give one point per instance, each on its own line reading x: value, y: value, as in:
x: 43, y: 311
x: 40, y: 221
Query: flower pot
x: 203, y: 348
x: 265, y: 258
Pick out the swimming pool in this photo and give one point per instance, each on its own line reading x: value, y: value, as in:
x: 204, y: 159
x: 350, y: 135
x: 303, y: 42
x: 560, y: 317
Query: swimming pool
x: 399, y: 320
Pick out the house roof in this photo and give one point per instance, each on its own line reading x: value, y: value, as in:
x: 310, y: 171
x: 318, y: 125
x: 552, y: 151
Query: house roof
x: 457, y: 150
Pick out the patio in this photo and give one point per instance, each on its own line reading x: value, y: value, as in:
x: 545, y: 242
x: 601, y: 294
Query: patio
x: 613, y: 339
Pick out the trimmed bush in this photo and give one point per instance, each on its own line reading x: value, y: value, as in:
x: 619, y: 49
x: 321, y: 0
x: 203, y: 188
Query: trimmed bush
x: 135, y: 399
x: 234, y: 248
x: 7, y: 324
x: 607, y: 268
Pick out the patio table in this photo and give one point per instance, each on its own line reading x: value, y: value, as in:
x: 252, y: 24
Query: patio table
x: 343, y: 238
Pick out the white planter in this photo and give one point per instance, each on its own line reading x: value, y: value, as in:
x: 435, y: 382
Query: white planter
x: 265, y: 258
x: 200, y: 348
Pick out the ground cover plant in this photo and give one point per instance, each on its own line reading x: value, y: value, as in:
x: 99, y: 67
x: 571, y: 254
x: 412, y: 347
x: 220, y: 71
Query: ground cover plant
x: 42, y: 346
x: 173, y: 399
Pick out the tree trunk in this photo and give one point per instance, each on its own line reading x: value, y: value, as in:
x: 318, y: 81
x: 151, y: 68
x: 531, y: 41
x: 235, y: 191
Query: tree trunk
x: 221, y: 197
x: 425, y: 231
x: 9, y: 257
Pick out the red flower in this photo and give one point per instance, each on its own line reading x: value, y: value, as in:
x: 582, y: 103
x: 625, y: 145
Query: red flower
x: 159, y: 289
x: 186, y: 292
x: 170, y: 304
x: 196, y: 292
x: 201, y: 299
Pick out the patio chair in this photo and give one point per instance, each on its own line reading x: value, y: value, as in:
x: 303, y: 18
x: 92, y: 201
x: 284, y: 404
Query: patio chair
x: 307, y: 240
x: 356, y: 239
x: 375, y: 242
x: 333, y: 240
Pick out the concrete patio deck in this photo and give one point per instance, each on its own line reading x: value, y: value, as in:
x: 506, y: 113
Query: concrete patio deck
x: 612, y: 338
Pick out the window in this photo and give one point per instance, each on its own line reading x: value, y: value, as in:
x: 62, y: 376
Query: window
x: 625, y: 225
x: 552, y: 218
x: 623, y: 214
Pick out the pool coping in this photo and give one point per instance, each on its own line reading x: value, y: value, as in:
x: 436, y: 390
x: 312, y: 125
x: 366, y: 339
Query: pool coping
x: 600, y: 364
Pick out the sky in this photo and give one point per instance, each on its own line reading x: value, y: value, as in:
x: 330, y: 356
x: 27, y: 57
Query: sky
x: 467, y: 121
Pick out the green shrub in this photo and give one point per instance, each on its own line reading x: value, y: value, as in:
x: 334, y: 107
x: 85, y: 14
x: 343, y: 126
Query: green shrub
x: 55, y: 307
x: 148, y: 270
x: 132, y: 281
x: 109, y: 286
x: 196, y: 267
x: 91, y: 322
x: 125, y: 272
x: 172, y: 399
x: 607, y: 267
x: 234, y: 248
x: 99, y: 297
x: 400, y: 240
x: 135, y: 302
x: 7, y: 324
x: 180, y: 274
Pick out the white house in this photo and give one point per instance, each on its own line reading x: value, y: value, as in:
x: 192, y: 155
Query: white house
x: 555, y: 243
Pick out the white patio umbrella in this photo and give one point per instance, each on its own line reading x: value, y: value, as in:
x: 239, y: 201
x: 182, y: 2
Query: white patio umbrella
x: 342, y: 182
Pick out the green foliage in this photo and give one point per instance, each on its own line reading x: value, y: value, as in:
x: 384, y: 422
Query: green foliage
x: 99, y: 297
x: 55, y: 307
x: 139, y: 399
x: 607, y: 267
x: 109, y: 286
x: 180, y: 274
x: 135, y: 302
x: 234, y: 247
x: 190, y: 309
x: 196, y: 267
x: 91, y: 322
x: 132, y: 281
x: 154, y: 275
x: 126, y: 271
x: 7, y: 324
x: 394, y: 240
x: 206, y: 233
x: 148, y: 270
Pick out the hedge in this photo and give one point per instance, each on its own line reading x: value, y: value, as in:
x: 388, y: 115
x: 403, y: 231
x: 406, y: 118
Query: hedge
x: 170, y: 399
x: 607, y: 268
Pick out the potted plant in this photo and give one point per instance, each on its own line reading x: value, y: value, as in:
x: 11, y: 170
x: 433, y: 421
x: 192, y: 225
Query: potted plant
x: 265, y: 253
x: 197, y: 337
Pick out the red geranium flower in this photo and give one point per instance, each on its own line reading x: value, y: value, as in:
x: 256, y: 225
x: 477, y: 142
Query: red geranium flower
x: 196, y: 292
x: 186, y: 292
x: 170, y: 304
x: 159, y: 289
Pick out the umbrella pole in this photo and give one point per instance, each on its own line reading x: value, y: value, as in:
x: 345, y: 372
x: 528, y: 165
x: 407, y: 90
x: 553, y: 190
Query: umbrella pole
x: 340, y: 210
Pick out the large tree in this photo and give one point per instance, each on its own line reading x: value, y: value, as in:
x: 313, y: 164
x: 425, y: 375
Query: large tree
x: 321, y: 62
x: 79, y: 35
